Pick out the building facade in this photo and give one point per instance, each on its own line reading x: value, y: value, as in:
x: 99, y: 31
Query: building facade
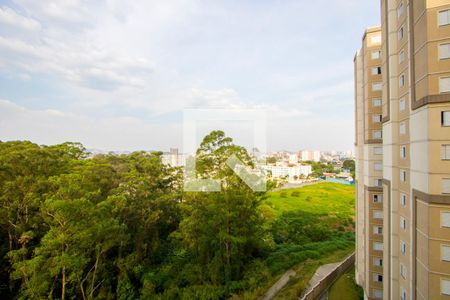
x: 174, y: 158
x: 369, y: 164
x: 291, y: 172
x: 414, y: 68
x: 309, y: 155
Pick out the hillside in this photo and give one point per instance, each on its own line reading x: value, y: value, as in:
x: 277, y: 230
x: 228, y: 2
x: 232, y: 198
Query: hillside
x: 311, y: 226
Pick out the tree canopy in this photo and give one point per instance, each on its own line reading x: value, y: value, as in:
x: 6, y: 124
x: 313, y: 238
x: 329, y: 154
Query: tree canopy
x: 120, y: 226
x: 77, y: 226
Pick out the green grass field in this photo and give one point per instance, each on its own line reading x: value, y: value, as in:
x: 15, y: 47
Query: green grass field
x: 345, y: 288
x: 326, y: 197
x: 311, y: 226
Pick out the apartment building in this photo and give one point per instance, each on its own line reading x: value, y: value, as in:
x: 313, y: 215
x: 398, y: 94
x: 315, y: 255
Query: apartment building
x: 415, y: 98
x: 369, y: 165
x: 305, y: 155
x: 174, y: 158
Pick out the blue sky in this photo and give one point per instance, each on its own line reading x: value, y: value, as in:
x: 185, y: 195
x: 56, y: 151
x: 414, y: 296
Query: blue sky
x: 117, y: 75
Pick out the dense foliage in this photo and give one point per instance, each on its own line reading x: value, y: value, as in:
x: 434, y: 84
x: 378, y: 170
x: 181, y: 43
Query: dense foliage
x: 309, y: 223
x: 318, y: 168
x: 110, y: 226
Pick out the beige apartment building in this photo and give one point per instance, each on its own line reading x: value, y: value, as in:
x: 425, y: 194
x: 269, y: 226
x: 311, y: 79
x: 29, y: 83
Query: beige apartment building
x: 369, y: 165
x: 403, y: 204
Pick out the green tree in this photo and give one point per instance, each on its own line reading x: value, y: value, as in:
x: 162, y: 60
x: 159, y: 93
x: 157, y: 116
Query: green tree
x: 24, y: 172
x: 222, y: 230
x: 71, y: 255
x: 271, y: 160
x: 349, y: 164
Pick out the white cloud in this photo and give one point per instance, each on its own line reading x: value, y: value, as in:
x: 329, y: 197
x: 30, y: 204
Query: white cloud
x: 315, y: 131
x: 52, y: 126
x: 151, y: 59
x: 10, y: 18
x: 83, y: 64
x: 57, y: 10
x: 128, y: 133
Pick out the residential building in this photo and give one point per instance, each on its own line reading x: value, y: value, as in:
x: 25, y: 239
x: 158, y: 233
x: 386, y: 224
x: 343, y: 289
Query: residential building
x: 291, y: 172
x: 174, y: 158
x: 293, y: 158
x: 414, y: 221
x: 309, y: 155
x: 369, y: 165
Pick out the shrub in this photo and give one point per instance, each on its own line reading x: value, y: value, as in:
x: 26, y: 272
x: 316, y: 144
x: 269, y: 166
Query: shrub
x: 295, y: 194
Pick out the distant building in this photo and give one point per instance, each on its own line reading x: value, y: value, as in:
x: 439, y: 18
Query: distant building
x: 308, y: 155
x: 293, y: 158
x: 290, y: 171
x: 173, y: 158
x: 349, y: 154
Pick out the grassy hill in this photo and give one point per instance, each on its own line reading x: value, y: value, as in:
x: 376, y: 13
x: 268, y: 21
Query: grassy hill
x: 311, y: 226
x: 326, y: 197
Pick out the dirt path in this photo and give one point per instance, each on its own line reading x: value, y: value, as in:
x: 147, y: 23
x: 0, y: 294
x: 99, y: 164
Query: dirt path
x: 278, y: 285
x: 320, y: 274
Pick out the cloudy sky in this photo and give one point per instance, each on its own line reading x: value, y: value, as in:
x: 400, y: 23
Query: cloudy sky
x: 117, y: 75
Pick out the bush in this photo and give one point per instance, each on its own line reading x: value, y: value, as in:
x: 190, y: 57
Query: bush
x: 295, y: 194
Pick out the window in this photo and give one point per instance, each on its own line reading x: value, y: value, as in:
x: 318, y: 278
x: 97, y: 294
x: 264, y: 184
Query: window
x: 445, y: 252
x: 377, y: 277
x: 377, y: 230
x: 403, y: 152
x: 445, y: 152
x: 376, y: 102
x: 402, y: 175
x: 376, y: 70
x: 444, y: 51
x: 400, y: 10
x: 403, y: 247
x: 378, y: 262
x: 377, y: 198
x: 378, y: 214
x: 403, y: 271
x: 402, y: 223
x: 378, y: 182
x: 378, y: 166
x: 445, y: 219
x: 377, y: 118
x: 378, y: 246
x: 444, y: 17
x: 377, y: 293
x: 445, y: 118
x: 376, y: 54
x: 403, y: 200
x: 377, y: 86
x: 401, y: 33
x: 402, y: 104
x: 401, y: 57
x: 445, y: 185
x: 401, y: 80
x: 402, y: 128
x: 377, y: 134
x: 376, y: 39
x: 445, y: 286
x: 379, y: 150
x: 444, y: 85
x: 403, y: 294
